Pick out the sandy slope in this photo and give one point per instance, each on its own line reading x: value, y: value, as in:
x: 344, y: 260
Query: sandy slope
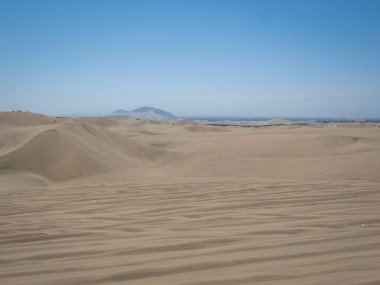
x: 179, y: 203
x: 73, y: 149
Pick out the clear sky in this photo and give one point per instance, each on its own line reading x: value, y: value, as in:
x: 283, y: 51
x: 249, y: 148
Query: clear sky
x: 243, y: 58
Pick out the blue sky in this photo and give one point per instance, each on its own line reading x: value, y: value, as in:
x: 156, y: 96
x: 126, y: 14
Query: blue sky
x: 239, y: 58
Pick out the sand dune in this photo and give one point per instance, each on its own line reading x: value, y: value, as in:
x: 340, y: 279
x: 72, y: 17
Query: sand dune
x: 74, y: 149
x: 15, y: 119
x: 101, y: 201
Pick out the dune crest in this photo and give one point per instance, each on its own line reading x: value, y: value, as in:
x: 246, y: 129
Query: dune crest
x: 24, y: 119
x: 75, y: 149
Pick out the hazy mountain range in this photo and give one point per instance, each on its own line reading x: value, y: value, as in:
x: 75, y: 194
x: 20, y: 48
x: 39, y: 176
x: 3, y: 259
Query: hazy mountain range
x: 144, y: 113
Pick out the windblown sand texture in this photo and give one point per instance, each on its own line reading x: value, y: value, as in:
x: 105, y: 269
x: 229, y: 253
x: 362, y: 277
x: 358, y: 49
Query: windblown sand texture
x: 111, y: 201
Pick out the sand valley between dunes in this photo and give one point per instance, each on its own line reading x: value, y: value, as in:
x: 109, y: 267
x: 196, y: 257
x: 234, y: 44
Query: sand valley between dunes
x: 122, y: 201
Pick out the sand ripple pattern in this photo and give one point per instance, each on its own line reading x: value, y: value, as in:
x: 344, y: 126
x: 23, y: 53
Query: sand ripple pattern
x: 198, y: 233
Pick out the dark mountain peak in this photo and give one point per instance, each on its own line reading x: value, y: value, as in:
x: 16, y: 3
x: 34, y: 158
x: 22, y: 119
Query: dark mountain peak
x: 120, y: 112
x: 143, y: 109
x: 145, y: 112
x: 156, y: 111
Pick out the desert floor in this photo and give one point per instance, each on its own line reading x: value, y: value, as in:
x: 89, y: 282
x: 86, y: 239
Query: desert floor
x: 102, y: 201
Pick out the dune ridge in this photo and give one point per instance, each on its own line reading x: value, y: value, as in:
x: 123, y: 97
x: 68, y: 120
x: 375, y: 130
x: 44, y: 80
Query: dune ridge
x: 75, y: 149
x: 23, y: 119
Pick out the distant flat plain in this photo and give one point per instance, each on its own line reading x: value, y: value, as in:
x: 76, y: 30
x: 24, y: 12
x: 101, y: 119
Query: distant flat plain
x: 125, y: 201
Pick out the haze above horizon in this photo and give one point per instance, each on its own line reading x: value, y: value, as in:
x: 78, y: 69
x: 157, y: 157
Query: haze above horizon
x: 192, y: 58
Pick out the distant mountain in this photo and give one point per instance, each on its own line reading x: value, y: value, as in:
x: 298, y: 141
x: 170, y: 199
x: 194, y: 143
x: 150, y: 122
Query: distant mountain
x: 148, y: 113
x: 155, y: 111
x: 120, y: 112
